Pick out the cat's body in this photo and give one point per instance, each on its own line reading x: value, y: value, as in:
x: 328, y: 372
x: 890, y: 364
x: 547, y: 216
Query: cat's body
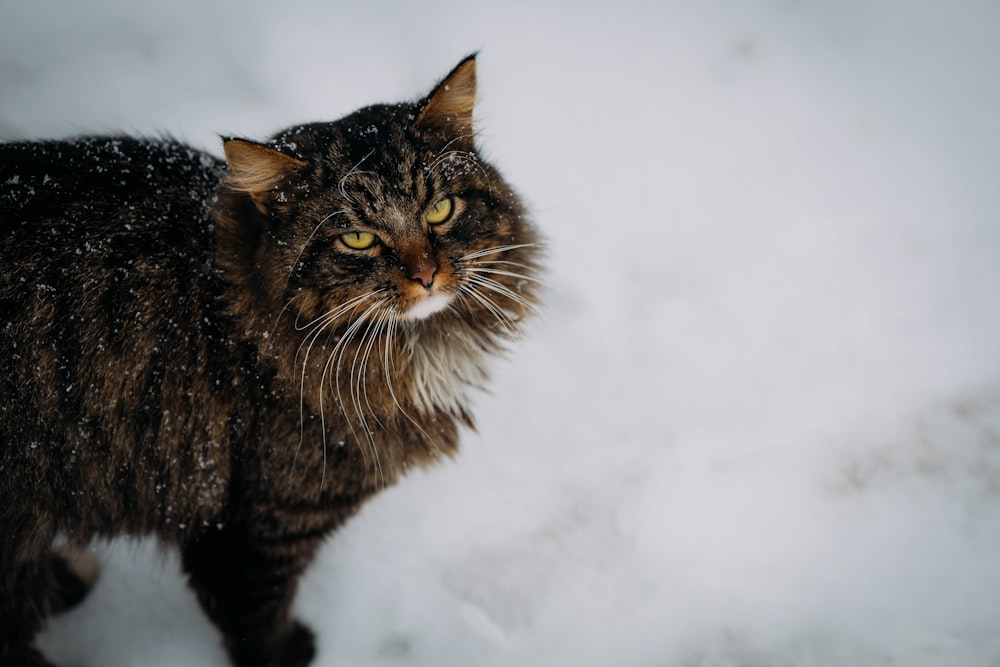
x: 233, y: 357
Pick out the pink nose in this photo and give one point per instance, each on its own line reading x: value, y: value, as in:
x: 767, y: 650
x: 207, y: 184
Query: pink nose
x: 425, y: 274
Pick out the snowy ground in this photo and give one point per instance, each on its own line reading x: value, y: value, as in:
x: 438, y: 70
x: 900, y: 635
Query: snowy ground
x: 759, y: 424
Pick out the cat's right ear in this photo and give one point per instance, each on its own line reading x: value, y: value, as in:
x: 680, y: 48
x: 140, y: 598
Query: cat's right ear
x: 258, y: 170
x: 450, y: 105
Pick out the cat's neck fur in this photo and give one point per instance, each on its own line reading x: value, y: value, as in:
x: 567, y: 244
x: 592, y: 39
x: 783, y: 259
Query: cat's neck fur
x: 427, y: 372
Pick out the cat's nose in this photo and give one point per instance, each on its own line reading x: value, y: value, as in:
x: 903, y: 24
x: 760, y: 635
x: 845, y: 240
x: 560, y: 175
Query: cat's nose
x: 424, y: 273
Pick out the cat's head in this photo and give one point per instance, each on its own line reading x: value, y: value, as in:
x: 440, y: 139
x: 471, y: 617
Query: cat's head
x: 387, y: 220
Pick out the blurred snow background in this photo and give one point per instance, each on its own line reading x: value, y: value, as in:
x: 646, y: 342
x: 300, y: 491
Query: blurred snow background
x: 759, y: 423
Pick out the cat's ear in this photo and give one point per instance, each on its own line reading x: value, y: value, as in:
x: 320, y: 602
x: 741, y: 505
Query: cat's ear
x: 257, y: 169
x: 449, y: 106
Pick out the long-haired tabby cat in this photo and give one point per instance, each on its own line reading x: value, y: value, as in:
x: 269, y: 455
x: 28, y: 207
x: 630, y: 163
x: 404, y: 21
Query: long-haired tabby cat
x: 233, y: 356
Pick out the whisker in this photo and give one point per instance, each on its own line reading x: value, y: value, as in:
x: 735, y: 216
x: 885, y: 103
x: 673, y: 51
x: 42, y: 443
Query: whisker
x: 393, y: 322
x: 376, y: 329
x: 464, y: 156
x: 495, y: 249
x: 324, y: 322
x: 321, y: 324
x: 356, y: 380
x: 302, y: 387
x: 497, y: 312
x: 500, y: 272
x: 353, y: 170
x: 501, y: 289
x: 456, y: 139
x: 306, y: 244
x: 526, y: 267
x: 288, y: 304
x: 340, y: 310
x: 338, y: 353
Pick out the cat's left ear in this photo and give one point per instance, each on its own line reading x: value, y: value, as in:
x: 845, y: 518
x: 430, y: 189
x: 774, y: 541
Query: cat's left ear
x: 449, y: 106
x: 258, y: 170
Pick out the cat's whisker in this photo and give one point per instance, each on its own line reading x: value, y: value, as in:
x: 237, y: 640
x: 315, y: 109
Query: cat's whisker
x: 460, y: 137
x: 494, y: 285
x: 357, y: 382
x: 484, y: 271
x: 288, y: 304
x: 336, y: 359
x: 302, y: 389
x: 323, y: 323
x: 380, y: 324
x: 496, y: 249
x: 298, y: 257
x: 501, y: 316
x: 501, y: 289
x: 387, y: 368
x: 506, y: 262
x: 337, y: 312
x: 476, y: 268
x: 309, y: 339
x: 508, y: 317
x: 464, y: 156
x: 311, y: 336
x: 387, y: 361
x: 342, y: 339
x: 353, y: 170
x: 368, y: 358
x: 329, y: 321
x: 448, y: 156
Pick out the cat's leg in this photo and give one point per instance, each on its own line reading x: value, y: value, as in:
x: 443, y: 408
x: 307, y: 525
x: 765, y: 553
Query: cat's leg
x: 246, y: 585
x: 24, y: 605
x: 74, y: 572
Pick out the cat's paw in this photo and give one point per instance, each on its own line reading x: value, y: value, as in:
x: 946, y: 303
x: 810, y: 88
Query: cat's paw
x: 295, y: 648
x: 29, y: 657
x: 299, y: 647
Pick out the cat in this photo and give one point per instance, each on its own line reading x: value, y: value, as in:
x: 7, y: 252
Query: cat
x: 234, y: 355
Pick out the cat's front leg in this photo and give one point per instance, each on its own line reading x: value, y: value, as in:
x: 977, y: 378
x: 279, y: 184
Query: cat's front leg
x: 246, y: 584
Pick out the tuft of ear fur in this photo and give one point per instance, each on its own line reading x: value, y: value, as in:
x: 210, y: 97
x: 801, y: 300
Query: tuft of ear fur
x: 450, y: 104
x: 257, y: 169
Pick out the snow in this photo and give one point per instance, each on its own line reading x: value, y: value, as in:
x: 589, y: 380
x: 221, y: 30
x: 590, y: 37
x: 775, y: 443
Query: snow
x: 759, y: 420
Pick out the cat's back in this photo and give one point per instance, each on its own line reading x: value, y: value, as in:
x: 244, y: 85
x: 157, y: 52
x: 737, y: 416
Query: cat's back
x: 53, y: 190
x: 101, y: 238
x: 107, y: 315
x: 85, y: 218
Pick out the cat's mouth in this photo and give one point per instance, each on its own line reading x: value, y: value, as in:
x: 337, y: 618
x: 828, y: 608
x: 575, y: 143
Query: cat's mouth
x: 427, y: 306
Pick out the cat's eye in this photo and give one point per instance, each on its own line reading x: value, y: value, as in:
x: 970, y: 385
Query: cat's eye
x: 439, y: 212
x: 358, y: 240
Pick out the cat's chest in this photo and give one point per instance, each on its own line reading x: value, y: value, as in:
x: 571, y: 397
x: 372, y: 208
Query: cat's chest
x: 443, y: 367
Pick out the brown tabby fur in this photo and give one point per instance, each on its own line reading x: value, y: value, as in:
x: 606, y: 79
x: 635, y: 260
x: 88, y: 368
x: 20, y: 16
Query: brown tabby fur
x: 190, y: 349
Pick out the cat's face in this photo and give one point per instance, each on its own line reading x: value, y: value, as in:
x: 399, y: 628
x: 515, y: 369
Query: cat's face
x: 402, y: 215
x: 389, y: 216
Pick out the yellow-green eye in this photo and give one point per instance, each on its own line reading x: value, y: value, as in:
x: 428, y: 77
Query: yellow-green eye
x: 358, y: 240
x: 440, y: 212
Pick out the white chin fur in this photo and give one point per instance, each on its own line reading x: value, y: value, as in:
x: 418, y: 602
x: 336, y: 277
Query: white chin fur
x: 435, y: 303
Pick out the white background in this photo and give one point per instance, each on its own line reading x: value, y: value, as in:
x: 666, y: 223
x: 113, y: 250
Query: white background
x: 759, y: 422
